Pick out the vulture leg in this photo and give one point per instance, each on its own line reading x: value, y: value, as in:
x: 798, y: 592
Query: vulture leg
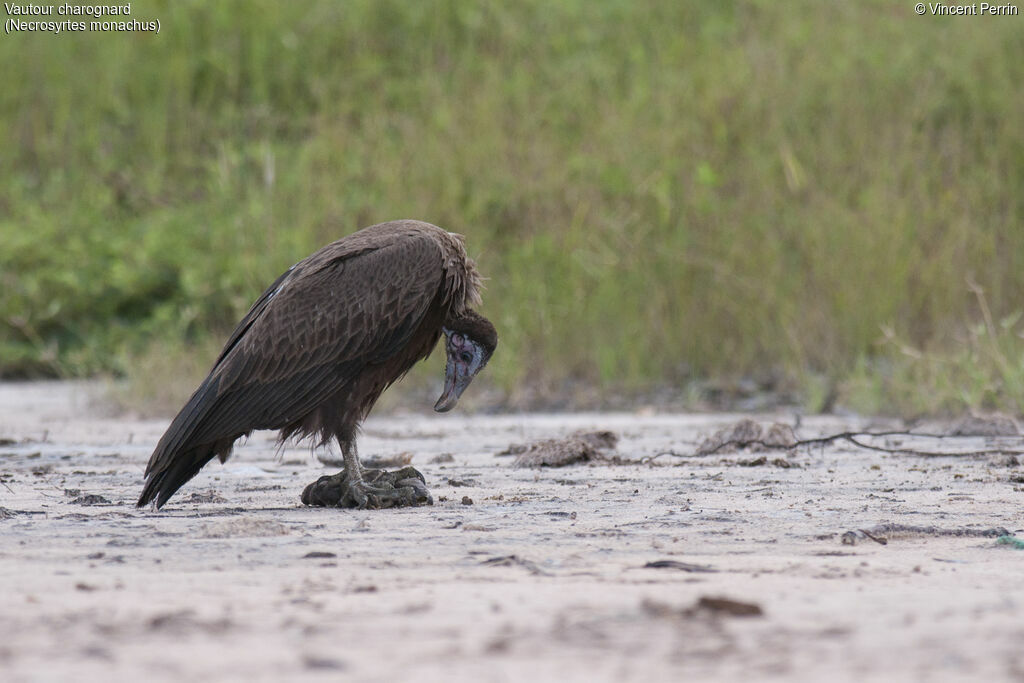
x: 355, y: 487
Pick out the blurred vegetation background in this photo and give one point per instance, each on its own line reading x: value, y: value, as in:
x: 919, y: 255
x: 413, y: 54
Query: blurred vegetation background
x: 823, y: 200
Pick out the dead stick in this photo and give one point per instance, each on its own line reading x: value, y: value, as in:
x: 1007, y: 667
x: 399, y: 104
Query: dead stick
x: 853, y: 438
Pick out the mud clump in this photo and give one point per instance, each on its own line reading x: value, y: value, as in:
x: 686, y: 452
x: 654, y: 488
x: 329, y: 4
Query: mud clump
x: 750, y: 435
x: 91, y: 499
x: 207, y: 497
x: 729, y: 607
x: 556, y: 453
x: 762, y: 461
x: 713, y: 606
x: 600, y: 439
x: 578, y: 447
x: 985, y: 425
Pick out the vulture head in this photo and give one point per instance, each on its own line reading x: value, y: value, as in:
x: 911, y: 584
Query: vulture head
x: 470, y: 340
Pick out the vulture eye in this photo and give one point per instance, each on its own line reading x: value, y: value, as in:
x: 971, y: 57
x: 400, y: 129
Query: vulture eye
x: 466, y: 357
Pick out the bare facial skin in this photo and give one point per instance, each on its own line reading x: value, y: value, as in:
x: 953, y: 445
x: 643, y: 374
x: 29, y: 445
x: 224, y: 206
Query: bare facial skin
x: 465, y: 358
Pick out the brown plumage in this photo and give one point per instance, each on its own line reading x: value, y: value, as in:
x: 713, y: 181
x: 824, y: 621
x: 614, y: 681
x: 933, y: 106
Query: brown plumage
x: 322, y: 343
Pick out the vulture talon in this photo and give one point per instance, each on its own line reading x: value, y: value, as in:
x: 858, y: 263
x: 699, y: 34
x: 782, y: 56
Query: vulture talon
x: 375, y: 490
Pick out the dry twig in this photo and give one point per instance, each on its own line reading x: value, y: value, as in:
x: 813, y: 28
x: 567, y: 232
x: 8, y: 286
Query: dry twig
x: 855, y: 438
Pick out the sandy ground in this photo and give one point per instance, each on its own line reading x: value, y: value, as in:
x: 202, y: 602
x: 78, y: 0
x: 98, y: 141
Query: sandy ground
x: 235, y: 580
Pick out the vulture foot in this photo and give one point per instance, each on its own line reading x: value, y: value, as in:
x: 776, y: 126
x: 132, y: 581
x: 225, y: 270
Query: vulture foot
x: 376, y: 489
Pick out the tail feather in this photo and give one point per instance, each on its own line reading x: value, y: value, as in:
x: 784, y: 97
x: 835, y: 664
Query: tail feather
x: 178, y: 457
x: 163, y: 484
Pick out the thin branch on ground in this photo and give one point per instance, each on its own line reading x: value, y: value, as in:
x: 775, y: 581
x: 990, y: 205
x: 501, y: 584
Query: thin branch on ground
x: 855, y: 438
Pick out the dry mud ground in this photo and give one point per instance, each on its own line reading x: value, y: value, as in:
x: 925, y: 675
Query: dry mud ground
x: 235, y: 580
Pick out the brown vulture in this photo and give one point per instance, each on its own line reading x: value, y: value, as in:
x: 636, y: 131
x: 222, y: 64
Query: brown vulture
x: 318, y: 348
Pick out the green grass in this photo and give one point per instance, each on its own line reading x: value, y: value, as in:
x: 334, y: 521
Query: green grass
x: 659, y: 192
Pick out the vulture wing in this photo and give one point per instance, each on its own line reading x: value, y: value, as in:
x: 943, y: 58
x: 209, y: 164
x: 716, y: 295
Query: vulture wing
x: 351, y: 304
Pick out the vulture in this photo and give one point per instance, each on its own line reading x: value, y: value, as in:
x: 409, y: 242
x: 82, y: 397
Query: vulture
x: 318, y: 348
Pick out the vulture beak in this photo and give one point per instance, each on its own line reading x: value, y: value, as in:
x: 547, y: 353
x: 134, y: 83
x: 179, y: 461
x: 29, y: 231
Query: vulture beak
x: 465, y: 359
x: 455, y: 382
